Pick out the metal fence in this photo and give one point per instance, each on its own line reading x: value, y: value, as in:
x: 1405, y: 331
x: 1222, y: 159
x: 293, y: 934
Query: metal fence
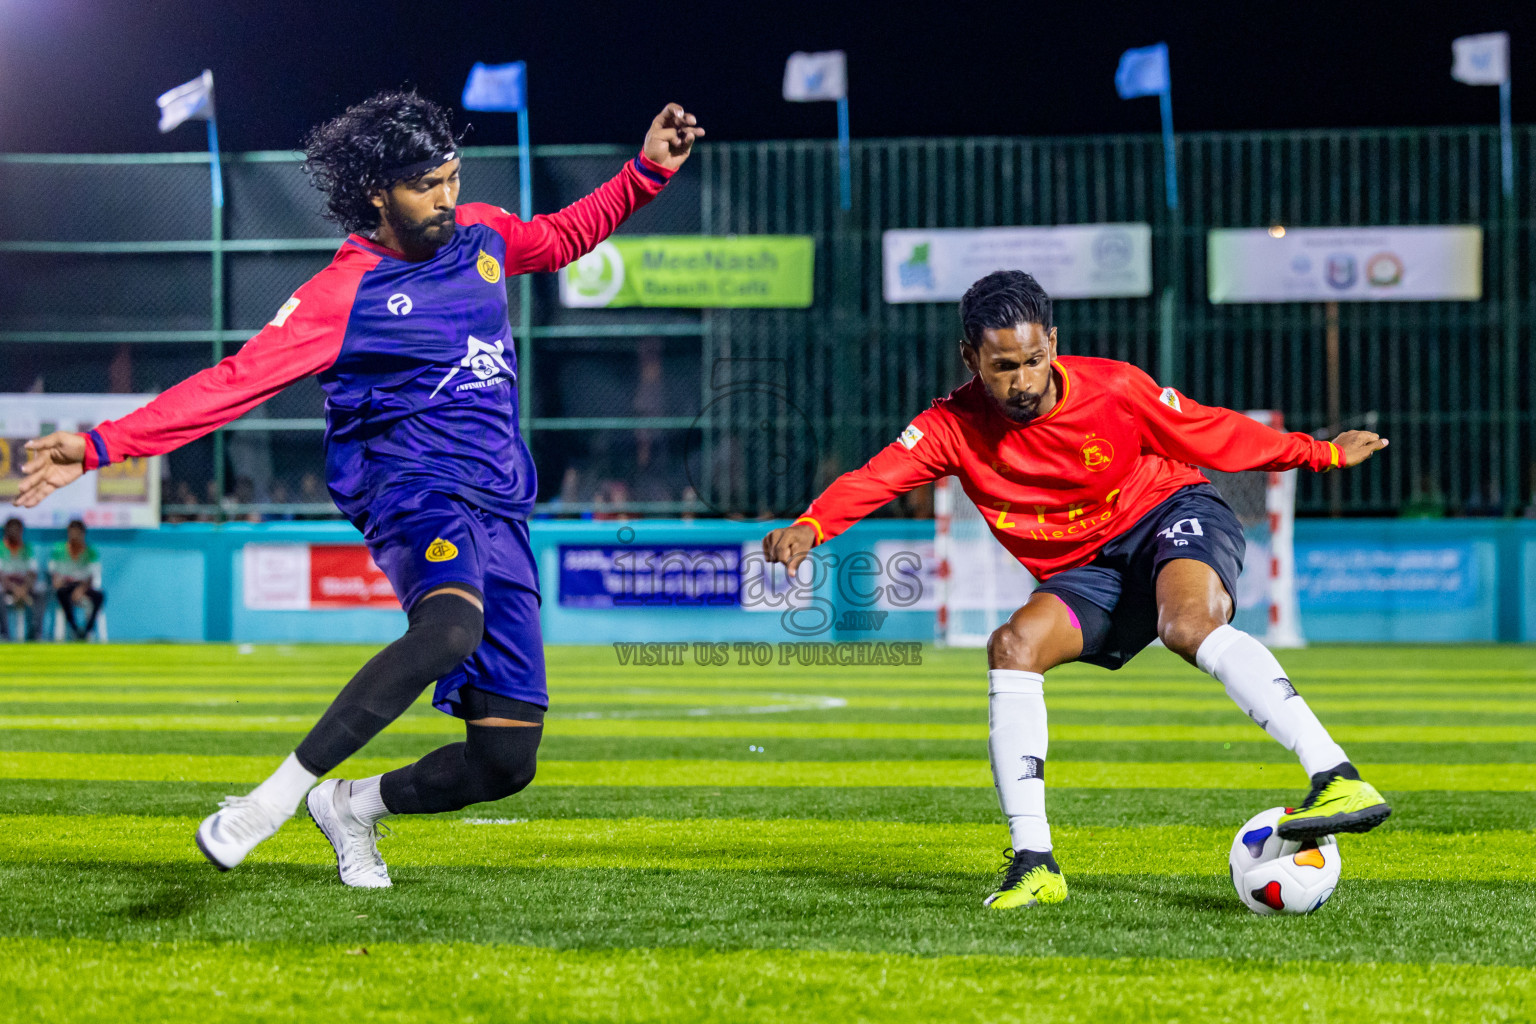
x: 114, y: 277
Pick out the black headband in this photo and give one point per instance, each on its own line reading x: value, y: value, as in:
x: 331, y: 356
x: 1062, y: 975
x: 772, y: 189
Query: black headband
x: 418, y: 168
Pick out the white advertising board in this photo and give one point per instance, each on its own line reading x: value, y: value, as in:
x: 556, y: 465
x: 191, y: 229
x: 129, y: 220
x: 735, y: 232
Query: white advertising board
x: 126, y: 494
x: 1073, y: 261
x: 1345, y: 264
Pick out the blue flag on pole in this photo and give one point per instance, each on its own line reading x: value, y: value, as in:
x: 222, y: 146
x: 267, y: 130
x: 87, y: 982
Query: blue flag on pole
x: 497, y: 87
x: 1143, y: 71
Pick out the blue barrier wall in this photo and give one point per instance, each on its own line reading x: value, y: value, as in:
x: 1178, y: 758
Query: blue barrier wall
x: 1358, y: 580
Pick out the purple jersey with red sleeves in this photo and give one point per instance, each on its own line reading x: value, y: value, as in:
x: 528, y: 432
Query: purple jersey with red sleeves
x: 416, y: 359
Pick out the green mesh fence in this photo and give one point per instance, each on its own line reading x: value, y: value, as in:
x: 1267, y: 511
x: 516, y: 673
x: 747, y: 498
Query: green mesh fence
x: 114, y: 276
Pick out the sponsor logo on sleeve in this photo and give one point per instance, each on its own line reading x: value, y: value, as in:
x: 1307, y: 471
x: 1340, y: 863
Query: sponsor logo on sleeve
x: 488, y: 267
x: 441, y: 550
x: 910, y: 436
x: 1170, y: 398
x: 284, y: 312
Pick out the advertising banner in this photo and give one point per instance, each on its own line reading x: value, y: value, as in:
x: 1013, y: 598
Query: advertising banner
x: 694, y: 271
x: 1345, y: 264
x: 1382, y: 577
x: 126, y: 494
x: 600, y: 576
x: 1074, y: 261
x: 304, y: 577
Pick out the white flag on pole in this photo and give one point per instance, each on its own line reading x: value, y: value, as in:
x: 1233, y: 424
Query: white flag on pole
x: 1482, y: 59
x: 816, y: 76
x: 187, y: 101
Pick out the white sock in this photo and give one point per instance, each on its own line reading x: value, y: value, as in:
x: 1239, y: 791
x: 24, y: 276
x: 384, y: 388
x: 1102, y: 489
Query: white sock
x: 285, y: 787
x: 367, y: 804
x: 1255, y: 680
x: 1017, y: 742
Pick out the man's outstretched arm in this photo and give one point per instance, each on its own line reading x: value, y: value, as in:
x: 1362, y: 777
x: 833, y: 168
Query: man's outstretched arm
x: 919, y: 456
x: 302, y: 340
x: 1221, y: 439
x: 553, y: 240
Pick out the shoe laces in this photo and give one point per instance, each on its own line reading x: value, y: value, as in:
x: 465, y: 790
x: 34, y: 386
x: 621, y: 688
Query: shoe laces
x: 366, y: 842
x: 1317, y: 791
x: 1013, y: 869
x: 245, y: 818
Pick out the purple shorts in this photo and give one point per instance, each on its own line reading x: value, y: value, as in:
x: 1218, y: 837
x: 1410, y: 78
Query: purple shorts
x: 434, y: 540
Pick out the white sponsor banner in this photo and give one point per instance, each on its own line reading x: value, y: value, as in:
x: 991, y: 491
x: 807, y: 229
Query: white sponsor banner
x: 126, y: 494
x: 1345, y: 264
x: 276, y: 577
x: 1074, y: 261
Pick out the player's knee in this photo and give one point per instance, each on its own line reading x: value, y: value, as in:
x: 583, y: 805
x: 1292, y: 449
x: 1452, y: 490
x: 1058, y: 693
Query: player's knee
x: 504, y: 758
x: 1184, y: 634
x: 1015, y: 646
x: 450, y: 629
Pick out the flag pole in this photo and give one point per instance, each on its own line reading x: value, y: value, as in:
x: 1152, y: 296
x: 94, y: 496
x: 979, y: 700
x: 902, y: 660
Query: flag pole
x: 1170, y: 166
x: 1506, y: 144
x: 844, y: 165
x: 1168, y: 304
x: 524, y: 167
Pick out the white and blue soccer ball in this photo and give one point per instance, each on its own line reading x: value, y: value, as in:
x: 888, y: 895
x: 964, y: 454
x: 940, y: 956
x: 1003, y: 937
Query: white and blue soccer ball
x: 1278, y: 876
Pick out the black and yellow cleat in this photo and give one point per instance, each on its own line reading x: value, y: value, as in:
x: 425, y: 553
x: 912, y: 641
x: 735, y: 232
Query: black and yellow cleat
x: 1339, y: 802
x: 1029, y: 878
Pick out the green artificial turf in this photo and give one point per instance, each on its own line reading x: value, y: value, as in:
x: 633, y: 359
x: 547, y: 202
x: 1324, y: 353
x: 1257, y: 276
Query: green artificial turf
x: 779, y: 843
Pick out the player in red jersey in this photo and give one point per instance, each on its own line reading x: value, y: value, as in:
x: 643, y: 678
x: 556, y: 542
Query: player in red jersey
x: 1085, y: 471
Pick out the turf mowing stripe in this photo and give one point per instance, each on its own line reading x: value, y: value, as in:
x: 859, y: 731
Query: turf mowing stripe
x: 778, y: 845
x: 89, y: 980
x: 778, y: 699
x: 697, y: 727
x: 713, y: 680
x: 682, y: 772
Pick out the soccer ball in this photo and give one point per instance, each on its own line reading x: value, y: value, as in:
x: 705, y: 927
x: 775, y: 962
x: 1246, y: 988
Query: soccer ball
x: 1278, y: 876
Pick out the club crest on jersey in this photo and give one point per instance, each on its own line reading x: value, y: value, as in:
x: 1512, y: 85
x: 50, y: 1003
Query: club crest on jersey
x: 441, y: 551
x: 910, y: 436
x: 488, y: 267
x: 1097, y: 453
x: 1170, y: 398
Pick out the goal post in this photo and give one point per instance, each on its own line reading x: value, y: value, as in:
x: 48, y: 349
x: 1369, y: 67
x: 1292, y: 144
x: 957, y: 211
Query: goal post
x: 980, y: 584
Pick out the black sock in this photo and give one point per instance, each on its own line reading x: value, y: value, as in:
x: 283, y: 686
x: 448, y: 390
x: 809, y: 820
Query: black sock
x: 493, y: 762
x: 444, y: 630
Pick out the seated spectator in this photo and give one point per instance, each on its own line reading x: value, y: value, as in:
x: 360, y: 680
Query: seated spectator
x: 18, y: 583
x: 76, y: 571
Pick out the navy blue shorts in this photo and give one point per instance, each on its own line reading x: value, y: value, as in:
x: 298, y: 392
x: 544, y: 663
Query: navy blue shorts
x: 435, y: 540
x: 1114, y: 597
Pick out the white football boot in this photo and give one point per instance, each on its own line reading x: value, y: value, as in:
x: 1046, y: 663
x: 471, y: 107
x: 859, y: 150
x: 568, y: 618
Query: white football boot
x: 231, y: 832
x: 357, y: 850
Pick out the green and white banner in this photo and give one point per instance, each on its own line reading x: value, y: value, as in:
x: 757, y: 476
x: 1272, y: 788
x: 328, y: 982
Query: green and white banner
x: 1345, y: 264
x: 739, y: 271
x: 1071, y: 261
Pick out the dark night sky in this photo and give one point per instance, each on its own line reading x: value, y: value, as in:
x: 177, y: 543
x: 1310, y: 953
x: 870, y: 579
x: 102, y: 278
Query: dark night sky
x: 82, y: 75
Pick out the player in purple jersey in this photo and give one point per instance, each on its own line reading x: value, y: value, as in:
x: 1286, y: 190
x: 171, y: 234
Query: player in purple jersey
x: 408, y: 334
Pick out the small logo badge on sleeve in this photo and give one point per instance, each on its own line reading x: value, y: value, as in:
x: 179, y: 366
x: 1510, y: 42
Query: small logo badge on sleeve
x: 1170, y: 398
x: 441, y: 551
x: 910, y: 436
x: 284, y: 312
x: 488, y: 267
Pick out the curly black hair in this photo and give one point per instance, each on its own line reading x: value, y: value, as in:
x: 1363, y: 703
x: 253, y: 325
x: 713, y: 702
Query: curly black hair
x: 1004, y: 298
x: 349, y: 157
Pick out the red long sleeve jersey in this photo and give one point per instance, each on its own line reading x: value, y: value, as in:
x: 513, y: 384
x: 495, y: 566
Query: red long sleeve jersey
x: 1056, y: 490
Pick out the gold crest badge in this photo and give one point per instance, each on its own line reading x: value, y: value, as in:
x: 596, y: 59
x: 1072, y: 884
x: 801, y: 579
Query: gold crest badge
x: 1097, y: 453
x: 442, y: 550
x: 488, y: 267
